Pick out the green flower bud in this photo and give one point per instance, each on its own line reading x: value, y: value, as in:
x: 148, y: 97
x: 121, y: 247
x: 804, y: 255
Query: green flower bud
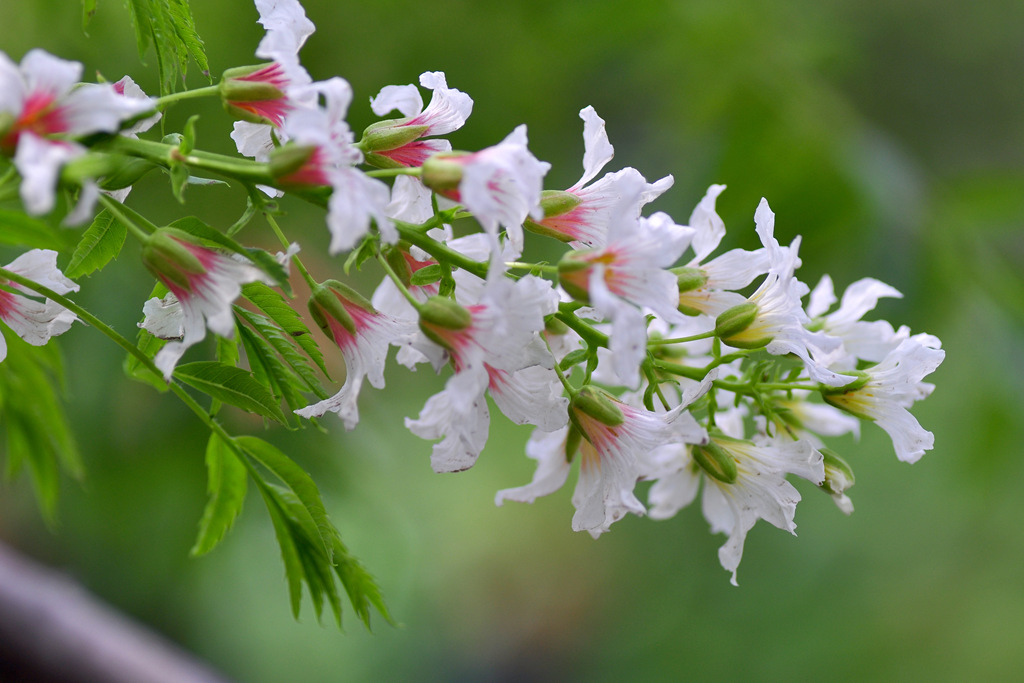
x: 555, y: 203
x: 166, y: 255
x: 598, y: 404
x: 390, y: 134
x: 715, y: 461
x: 835, y: 392
x: 288, y: 159
x: 441, y: 173
x: 127, y: 173
x: 734, y: 321
x: 690, y: 279
x: 325, y: 300
x: 838, y: 478
x: 236, y: 90
x: 440, y: 315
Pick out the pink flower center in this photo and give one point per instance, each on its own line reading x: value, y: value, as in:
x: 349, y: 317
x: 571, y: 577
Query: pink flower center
x: 39, y: 115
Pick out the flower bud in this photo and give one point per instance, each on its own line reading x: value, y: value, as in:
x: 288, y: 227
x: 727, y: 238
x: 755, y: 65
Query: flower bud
x: 688, y: 280
x: 735, y: 320
x: 440, y: 316
x: 441, y: 172
x: 554, y: 203
x: 715, y: 461
x: 838, y: 478
x: 325, y: 301
x: 8, y: 135
x: 390, y: 134
x: 598, y: 404
x: 253, y: 93
x: 289, y: 159
x: 572, y: 442
x: 127, y: 173
x: 172, y: 257
x: 833, y: 394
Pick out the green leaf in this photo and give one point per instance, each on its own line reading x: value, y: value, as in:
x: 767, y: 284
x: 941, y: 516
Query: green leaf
x: 293, y: 570
x: 88, y: 9
x: 363, y: 591
x: 426, y: 275
x: 280, y: 311
x: 100, y: 243
x: 169, y: 26
x: 20, y: 230
x: 300, y: 483
x: 284, y: 346
x: 226, y: 484
x: 231, y: 385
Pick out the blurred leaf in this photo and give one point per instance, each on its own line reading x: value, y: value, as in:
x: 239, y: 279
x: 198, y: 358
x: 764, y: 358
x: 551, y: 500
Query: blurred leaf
x: 20, y: 230
x: 88, y: 9
x: 230, y: 385
x: 226, y: 484
x: 37, y: 430
x: 100, y: 243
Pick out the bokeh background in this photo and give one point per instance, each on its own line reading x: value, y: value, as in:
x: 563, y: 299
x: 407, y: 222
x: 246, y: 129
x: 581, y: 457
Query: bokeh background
x: 889, y: 135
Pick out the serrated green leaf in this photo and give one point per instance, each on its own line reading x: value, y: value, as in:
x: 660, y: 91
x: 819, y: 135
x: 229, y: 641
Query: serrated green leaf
x: 300, y: 483
x: 169, y: 26
x: 283, y: 345
x: 280, y: 311
x: 293, y: 568
x: 24, y: 231
x: 226, y: 484
x: 230, y: 385
x: 363, y: 591
x: 100, y: 243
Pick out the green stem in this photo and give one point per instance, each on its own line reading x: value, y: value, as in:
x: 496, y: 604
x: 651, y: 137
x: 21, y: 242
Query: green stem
x: 285, y: 243
x: 591, y: 336
x: 441, y: 252
x: 681, y: 340
x: 532, y: 266
x: 398, y: 282
x: 168, y: 155
x: 121, y: 213
x: 392, y: 172
x: 167, y: 100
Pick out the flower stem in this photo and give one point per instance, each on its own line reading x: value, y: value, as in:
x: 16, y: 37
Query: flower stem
x: 441, y: 252
x: 392, y: 172
x: 121, y: 213
x: 167, y: 100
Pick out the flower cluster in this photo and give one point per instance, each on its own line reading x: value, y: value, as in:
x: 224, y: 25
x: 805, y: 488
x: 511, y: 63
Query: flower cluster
x: 642, y: 355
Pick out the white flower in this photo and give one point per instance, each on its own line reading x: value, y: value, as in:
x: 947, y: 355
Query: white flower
x: 501, y: 185
x: 710, y: 289
x: 356, y: 198
x: 780, y: 318
x: 399, y: 140
x: 615, y: 439
x: 584, y: 212
x: 893, y: 386
x: 628, y: 275
x: 363, y: 334
x: 758, y: 488
x: 32, y: 320
x: 493, y: 345
x: 204, y: 282
x: 870, y: 341
x: 46, y: 109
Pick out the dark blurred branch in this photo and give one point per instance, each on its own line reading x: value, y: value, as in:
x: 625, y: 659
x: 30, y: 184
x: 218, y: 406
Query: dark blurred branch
x: 53, y: 630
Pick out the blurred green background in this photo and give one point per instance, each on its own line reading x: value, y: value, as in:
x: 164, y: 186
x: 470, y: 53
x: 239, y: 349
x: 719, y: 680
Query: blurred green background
x: 890, y: 135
